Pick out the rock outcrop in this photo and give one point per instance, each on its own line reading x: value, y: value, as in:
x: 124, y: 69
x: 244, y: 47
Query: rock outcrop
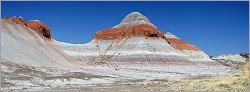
x: 38, y: 26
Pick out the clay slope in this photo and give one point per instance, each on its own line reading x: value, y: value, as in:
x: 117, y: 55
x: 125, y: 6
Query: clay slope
x: 28, y: 42
x: 134, y: 49
x: 191, y: 51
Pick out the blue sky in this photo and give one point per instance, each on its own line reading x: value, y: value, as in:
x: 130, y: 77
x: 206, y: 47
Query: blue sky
x: 215, y: 27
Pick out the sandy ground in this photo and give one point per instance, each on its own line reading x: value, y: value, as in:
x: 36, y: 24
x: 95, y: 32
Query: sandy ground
x: 109, y: 77
x: 235, y: 82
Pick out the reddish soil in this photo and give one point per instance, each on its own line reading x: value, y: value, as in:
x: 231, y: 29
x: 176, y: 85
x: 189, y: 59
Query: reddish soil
x: 181, y: 45
x: 41, y: 28
x: 138, y: 31
x: 141, y: 31
x: 16, y: 20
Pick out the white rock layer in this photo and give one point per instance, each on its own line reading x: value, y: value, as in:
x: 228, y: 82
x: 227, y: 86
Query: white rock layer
x: 170, y: 35
x: 196, y: 55
x: 231, y: 57
x: 127, y: 49
x: 133, y: 19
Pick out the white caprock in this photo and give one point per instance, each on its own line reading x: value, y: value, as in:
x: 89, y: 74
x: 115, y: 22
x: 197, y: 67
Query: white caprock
x: 133, y: 19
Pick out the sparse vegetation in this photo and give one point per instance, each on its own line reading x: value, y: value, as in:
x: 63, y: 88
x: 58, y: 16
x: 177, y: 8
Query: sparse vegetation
x: 30, y: 72
x: 237, y: 81
x: 232, y: 64
x: 6, y: 84
x: 77, y: 75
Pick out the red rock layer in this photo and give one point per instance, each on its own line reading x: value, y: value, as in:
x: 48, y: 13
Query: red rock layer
x: 142, y: 31
x: 39, y: 27
x: 138, y: 31
x: 16, y: 20
x: 181, y: 45
x: 34, y: 25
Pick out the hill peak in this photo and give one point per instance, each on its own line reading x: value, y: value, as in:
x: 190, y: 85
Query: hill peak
x: 134, y: 19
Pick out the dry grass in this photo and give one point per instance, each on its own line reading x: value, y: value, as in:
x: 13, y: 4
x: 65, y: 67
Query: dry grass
x: 236, y: 82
